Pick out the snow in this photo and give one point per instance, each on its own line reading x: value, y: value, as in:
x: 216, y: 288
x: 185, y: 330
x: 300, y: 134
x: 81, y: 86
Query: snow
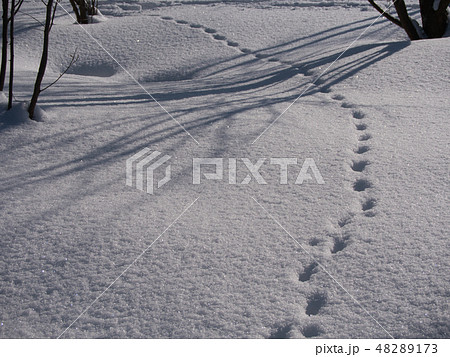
x: 242, y: 261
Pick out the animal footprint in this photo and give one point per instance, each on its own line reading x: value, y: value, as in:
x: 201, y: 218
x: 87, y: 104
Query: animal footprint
x: 219, y: 37
x: 246, y: 50
x: 196, y: 26
x: 181, y: 22
x: 340, y: 243
x: 365, y: 137
x: 167, y: 18
x: 314, y: 241
x: 281, y: 332
x: 362, y: 149
x: 361, y: 185
x: 338, y: 97
x: 232, y: 44
x: 359, y: 166
x: 358, y: 114
x: 308, y: 272
x: 209, y: 30
x: 312, y: 330
x: 361, y: 126
x: 347, y: 105
x: 315, y: 302
x: 369, y: 204
x: 344, y: 221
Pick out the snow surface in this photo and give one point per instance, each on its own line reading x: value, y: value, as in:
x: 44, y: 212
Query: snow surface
x: 376, y: 124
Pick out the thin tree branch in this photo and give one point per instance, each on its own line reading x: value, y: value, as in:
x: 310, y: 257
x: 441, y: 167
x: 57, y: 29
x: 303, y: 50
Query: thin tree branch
x: 17, y: 7
x: 74, y: 58
x: 406, y: 21
x: 53, y: 14
x: 385, y: 14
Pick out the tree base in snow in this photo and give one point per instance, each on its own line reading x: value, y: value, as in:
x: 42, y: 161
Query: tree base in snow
x: 18, y: 114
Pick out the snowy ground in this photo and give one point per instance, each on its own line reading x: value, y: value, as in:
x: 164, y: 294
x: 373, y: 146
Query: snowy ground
x: 364, y: 255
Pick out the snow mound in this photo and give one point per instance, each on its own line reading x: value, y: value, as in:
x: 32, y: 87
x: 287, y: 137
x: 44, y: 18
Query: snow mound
x: 18, y: 114
x: 99, y: 17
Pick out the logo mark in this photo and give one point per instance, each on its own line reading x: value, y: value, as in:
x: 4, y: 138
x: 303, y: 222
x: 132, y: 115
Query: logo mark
x: 144, y: 165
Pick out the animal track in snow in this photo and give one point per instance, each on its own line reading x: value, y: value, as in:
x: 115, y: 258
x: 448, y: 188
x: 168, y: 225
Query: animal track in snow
x: 361, y: 185
x: 369, y: 204
x: 340, y: 243
x: 315, y: 302
x: 361, y: 126
x: 347, y: 105
x: 219, y: 37
x: 308, y: 272
x: 208, y: 30
x: 338, y: 97
x: 314, y: 241
x: 358, y: 114
x: 362, y: 149
x: 359, y: 166
x: 311, y: 330
x: 281, y: 332
x: 364, y: 137
x: 246, y: 50
x: 344, y: 221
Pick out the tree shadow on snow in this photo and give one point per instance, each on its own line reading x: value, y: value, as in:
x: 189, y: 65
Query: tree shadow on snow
x: 232, y: 87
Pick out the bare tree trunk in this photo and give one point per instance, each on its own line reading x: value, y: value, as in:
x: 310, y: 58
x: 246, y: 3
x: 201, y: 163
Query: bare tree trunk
x: 5, y: 18
x: 75, y: 10
x: 434, y: 20
x: 44, y: 57
x: 83, y: 13
x: 11, y: 57
x: 93, y: 5
x: 406, y: 20
x: 83, y: 9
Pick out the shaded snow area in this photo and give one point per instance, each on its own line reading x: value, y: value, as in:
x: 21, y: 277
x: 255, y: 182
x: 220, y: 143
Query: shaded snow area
x: 363, y: 255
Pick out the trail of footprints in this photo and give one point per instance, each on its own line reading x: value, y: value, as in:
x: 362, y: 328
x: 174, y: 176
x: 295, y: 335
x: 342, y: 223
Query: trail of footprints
x: 317, y: 299
x: 340, y: 240
x: 218, y: 37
